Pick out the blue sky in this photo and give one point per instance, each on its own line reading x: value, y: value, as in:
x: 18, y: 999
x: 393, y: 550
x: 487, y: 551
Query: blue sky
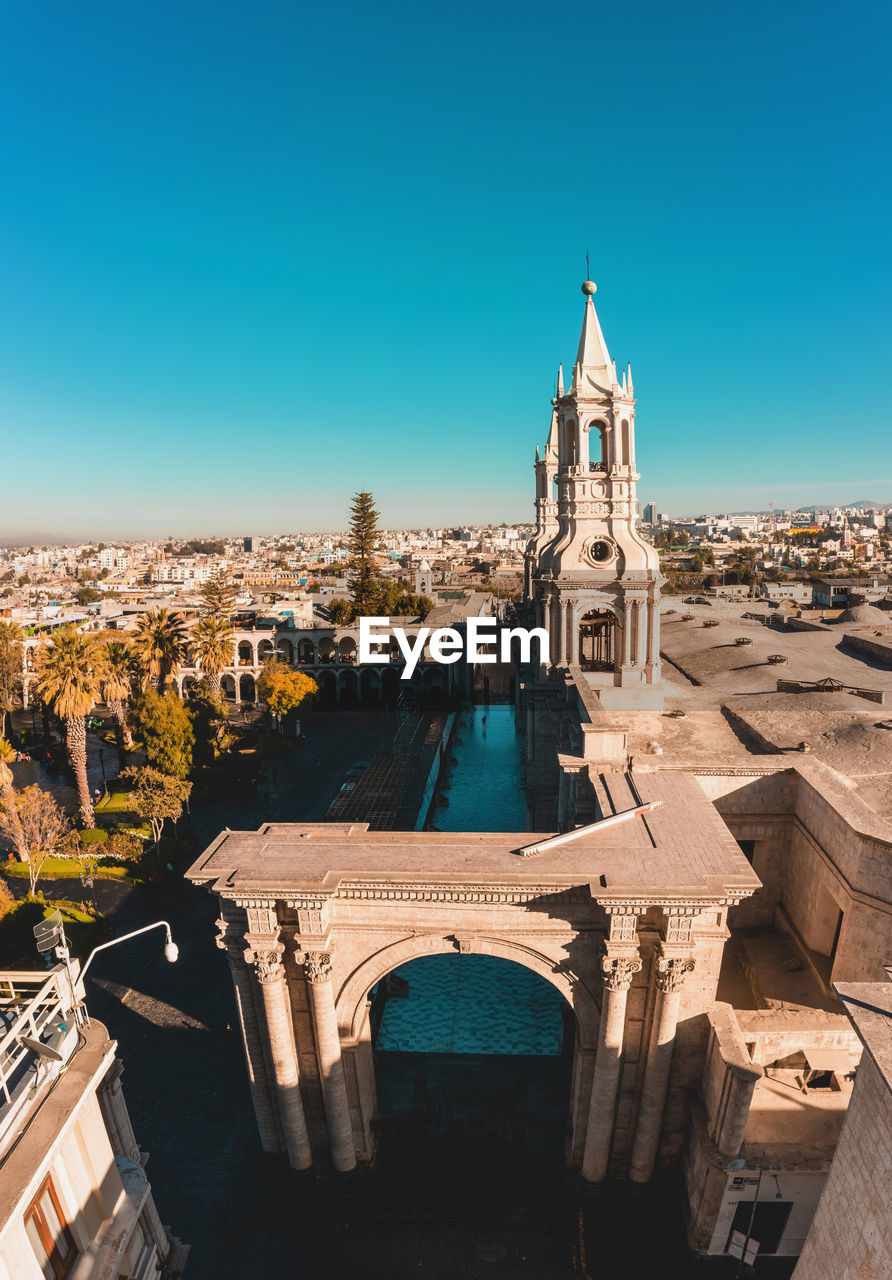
x: 255, y: 257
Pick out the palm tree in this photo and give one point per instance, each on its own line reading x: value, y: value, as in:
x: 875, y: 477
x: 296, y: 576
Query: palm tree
x: 8, y: 755
x: 10, y: 669
x: 116, y: 688
x: 159, y: 645
x: 69, y: 677
x: 212, y: 641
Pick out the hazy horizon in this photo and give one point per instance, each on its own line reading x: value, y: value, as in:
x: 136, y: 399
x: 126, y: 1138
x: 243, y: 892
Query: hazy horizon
x: 252, y: 262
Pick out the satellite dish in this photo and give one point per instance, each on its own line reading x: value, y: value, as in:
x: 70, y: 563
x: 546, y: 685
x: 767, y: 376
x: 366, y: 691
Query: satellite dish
x: 49, y: 931
x: 42, y: 1050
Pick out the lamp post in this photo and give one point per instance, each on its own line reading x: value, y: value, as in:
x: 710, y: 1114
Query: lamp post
x: 171, y: 950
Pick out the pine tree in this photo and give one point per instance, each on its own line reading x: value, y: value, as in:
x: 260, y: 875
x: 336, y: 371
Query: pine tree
x: 363, y: 574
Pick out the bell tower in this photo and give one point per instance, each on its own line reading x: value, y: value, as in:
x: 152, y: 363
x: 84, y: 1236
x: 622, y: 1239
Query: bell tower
x: 595, y: 581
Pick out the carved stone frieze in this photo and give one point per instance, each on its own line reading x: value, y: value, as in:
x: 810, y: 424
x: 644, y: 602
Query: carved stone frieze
x: 623, y: 926
x: 671, y: 973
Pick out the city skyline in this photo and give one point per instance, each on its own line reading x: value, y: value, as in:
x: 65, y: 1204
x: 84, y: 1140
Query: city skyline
x: 240, y: 292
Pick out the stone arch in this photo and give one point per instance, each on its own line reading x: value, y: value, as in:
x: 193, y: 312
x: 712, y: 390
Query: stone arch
x: 598, y: 640
x: 600, y: 426
x: 370, y: 685
x: 285, y: 649
x: 327, y: 686
x: 227, y: 687
x: 245, y: 653
x: 352, y: 1000
x: 246, y: 688
x: 348, y: 682
x: 326, y: 651
x: 347, y: 649
x: 265, y: 650
x: 306, y: 651
x: 390, y: 684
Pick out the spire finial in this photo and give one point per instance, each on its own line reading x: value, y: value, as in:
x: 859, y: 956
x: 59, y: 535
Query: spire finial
x: 589, y: 288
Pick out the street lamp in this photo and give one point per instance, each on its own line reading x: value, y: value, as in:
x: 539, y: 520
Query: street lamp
x: 171, y: 950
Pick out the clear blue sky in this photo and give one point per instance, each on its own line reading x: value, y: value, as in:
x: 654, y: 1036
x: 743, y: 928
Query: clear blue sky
x: 255, y: 257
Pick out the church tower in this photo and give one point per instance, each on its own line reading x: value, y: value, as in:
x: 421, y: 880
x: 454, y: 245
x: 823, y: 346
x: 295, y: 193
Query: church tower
x: 595, y: 581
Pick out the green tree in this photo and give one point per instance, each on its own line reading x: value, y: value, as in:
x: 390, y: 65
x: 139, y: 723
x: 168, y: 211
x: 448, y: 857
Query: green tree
x: 210, y: 723
x: 212, y: 641
x: 157, y: 797
x: 363, y: 574
x: 9, y: 817
x: 69, y: 675
x: 42, y: 824
x: 218, y: 596
x: 159, y: 644
x: 86, y: 595
x: 11, y: 655
x: 281, y: 689
x: 165, y: 727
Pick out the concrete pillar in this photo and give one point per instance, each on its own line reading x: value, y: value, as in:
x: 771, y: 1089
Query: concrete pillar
x: 669, y: 976
x: 317, y: 968
x: 572, y: 651
x: 617, y: 972
x: 265, y: 955
x: 643, y: 630
x: 252, y: 1044
x: 584, y: 433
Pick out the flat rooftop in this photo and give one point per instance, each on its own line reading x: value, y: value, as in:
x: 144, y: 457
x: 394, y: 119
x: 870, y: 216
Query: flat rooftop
x: 682, y: 849
x: 733, y: 712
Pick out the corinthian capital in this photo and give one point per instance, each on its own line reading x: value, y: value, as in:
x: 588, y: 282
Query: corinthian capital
x: 617, y: 972
x: 671, y: 973
x: 317, y: 965
x: 267, y: 961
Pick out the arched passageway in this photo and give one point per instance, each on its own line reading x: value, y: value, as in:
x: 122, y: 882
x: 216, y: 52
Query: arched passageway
x: 246, y: 689
x: 473, y: 1058
x: 227, y: 687
x: 597, y: 642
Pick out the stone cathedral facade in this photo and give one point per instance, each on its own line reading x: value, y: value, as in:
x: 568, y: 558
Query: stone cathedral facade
x: 594, y: 580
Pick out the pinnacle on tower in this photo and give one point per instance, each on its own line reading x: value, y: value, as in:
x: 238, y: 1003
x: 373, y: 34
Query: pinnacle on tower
x: 593, y: 357
x: 560, y: 380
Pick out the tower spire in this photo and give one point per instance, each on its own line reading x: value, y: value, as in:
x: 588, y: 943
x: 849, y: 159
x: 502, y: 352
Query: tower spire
x: 560, y: 380
x: 593, y: 356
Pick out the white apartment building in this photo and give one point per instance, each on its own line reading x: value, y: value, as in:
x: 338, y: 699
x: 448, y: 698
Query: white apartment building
x: 74, y: 1197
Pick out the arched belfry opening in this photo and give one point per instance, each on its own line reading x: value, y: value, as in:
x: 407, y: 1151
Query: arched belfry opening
x: 597, y: 641
x: 473, y: 1059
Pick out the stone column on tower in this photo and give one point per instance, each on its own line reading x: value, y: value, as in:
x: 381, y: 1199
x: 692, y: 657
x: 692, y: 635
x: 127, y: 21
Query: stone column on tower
x: 669, y: 975
x: 618, y: 968
x: 231, y: 939
x: 264, y: 952
x: 318, y: 973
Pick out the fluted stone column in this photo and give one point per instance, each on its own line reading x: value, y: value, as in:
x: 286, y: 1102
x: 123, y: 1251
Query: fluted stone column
x: 669, y: 976
x: 317, y: 967
x: 266, y: 958
x: 233, y: 943
x: 617, y: 972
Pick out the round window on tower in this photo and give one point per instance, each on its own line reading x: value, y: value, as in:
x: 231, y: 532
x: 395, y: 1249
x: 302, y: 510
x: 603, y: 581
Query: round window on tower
x: 601, y: 551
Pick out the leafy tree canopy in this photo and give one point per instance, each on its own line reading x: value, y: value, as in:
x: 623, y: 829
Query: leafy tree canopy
x: 281, y: 689
x: 157, y: 796
x: 166, y: 730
